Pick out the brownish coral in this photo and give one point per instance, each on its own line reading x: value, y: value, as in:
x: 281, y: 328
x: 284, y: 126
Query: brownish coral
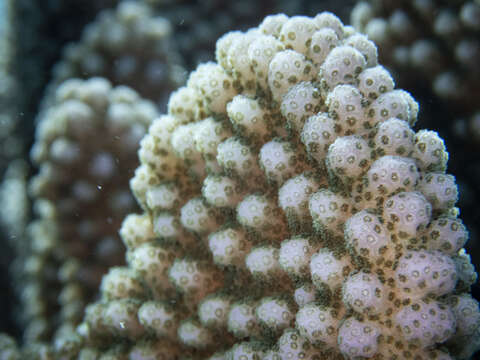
x: 129, y: 45
x: 85, y: 150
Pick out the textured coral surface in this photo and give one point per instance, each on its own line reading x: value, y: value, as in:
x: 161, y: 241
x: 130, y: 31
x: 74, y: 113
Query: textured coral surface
x: 289, y: 211
x: 431, y: 47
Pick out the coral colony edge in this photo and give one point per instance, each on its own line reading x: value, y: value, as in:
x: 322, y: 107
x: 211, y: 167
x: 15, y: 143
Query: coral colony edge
x: 289, y: 211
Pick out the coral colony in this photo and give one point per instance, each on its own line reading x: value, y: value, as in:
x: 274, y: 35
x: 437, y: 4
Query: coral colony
x: 86, y: 140
x: 288, y: 211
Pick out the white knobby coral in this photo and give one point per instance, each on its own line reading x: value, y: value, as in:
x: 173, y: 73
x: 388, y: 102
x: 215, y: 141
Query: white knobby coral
x: 321, y: 209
